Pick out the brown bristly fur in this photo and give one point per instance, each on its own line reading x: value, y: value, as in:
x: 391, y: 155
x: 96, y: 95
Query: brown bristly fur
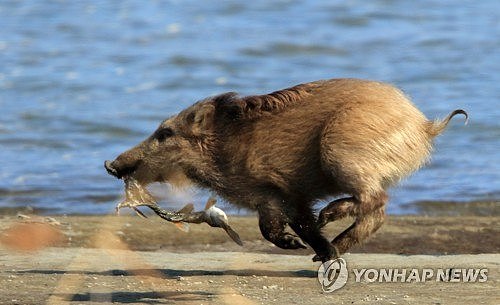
x: 279, y: 153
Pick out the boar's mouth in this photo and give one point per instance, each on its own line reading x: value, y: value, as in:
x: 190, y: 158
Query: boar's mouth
x: 119, y: 173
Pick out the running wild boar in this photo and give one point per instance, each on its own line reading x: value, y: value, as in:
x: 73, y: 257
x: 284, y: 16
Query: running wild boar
x: 282, y: 152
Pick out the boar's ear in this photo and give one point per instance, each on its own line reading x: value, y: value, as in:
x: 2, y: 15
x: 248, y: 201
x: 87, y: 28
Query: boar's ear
x: 203, y: 118
x: 229, y: 106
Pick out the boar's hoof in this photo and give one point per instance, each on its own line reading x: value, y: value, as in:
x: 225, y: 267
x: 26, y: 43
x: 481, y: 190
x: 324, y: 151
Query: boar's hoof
x: 334, y: 255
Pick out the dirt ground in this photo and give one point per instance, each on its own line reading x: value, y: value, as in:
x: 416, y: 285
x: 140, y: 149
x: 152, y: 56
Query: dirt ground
x: 129, y: 260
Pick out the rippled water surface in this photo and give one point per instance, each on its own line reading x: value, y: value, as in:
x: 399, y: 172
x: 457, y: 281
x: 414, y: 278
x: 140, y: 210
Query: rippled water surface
x: 82, y: 81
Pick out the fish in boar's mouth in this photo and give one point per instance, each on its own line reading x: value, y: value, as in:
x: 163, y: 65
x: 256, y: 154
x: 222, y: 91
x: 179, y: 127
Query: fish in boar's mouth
x: 137, y: 195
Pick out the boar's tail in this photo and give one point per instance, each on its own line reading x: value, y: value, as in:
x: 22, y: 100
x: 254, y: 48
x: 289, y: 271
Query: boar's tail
x: 436, y: 127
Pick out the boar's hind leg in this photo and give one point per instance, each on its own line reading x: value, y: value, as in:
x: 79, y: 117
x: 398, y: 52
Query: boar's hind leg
x: 370, y: 214
x: 336, y: 210
x: 272, y: 222
x: 304, y: 224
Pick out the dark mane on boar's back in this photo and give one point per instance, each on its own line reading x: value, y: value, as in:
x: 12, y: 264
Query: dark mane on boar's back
x: 233, y: 107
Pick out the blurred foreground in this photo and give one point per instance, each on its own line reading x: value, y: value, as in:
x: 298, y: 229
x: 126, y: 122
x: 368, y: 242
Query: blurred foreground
x: 126, y: 259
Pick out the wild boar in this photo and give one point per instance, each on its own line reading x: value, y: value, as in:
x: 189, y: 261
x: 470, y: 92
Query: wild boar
x: 280, y: 153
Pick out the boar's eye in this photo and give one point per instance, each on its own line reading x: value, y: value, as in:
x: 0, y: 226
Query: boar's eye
x: 190, y: 118
x: 163, y: 134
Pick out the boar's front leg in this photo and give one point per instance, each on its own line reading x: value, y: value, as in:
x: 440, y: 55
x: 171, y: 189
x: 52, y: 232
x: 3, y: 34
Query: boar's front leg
x: 272, y: 222
x: 303, y: 222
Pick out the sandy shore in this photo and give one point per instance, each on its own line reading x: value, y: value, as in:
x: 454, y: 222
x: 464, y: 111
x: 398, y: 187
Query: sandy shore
x: 110, y: 259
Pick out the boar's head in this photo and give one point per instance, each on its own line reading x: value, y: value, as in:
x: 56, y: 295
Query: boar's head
x: 180, y: 144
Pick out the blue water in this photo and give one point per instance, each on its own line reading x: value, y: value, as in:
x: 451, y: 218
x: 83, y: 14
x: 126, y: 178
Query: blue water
x: 81, y: 81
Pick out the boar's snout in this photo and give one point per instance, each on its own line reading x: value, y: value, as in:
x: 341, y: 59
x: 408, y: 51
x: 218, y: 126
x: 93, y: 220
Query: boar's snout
x: 110, y: 169
x: 121, y: 167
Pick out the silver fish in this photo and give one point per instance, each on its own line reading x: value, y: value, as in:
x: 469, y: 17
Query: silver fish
x: 136, y: 195
x: 214, y: 217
